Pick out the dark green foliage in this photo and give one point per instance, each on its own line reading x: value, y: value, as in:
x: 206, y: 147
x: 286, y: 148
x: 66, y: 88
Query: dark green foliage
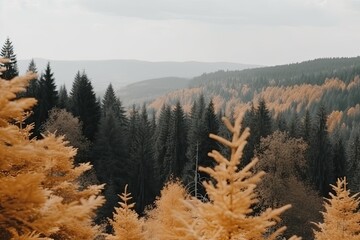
x: 160, y: 144
x: 353, y: 166
x: 110, y: 150
x: 32, y: 91
x: 203, y: 121
x: 176, y: 144
x: 306, y: 127
x: 260, y: 123
x: 11, y: 69
x: 63, y: 100
x: 339, y: 159
x: 320, y: 154
x: 47, y: 97
x: 141, y: 160
x: 83, y: 104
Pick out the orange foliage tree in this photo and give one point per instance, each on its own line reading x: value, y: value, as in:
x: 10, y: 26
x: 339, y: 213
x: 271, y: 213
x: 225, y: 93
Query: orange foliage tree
x: 341, y: 216
x: 40, y: 195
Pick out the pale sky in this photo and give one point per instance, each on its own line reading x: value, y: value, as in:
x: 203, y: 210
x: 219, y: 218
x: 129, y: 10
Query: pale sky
x: 266, y: 32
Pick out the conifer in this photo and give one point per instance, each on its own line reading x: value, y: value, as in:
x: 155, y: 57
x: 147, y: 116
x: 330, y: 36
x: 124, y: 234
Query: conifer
x: 228, y: 214
x: 40, y: 195
x: 341, y: 216
x: 126, y: 223
x: 163, y: 222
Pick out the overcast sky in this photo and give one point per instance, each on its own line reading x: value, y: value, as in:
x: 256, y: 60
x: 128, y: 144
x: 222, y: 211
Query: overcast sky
x: 266, y: 32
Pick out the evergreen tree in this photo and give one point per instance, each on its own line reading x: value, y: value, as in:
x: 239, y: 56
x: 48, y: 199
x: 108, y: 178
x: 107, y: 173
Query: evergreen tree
x: 353, y: 168
x: 63, y: 100
x: 175, y: 158
x: 47, y: 98
x: 160, y: 146
x: 249, y: 122
x: 294, y: 130
x: 83, y: 104
x: 263, y: 121
x: 339, y: 159
x: 306, y: 127
x: 32, y: 91
x: 109, y: 151
x: 11, y: 69
x: 320, y: 154
x: 141, y: 163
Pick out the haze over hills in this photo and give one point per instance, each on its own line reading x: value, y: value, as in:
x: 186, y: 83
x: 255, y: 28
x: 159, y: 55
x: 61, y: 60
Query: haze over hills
x: 124, y: 72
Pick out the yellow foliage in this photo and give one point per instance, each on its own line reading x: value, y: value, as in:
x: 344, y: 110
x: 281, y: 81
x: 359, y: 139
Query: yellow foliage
x: 171, y: 215
x: 341, y: 216
x: 228, y: 213
x: 126, y: 224
x: 40, y: 197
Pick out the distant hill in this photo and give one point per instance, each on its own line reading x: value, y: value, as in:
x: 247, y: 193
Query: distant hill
x: 147, y: 90
x: 124, y: 72
x: 298, y: 87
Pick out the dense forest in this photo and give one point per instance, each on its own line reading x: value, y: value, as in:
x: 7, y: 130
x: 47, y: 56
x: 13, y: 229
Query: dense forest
x: 300, y: 121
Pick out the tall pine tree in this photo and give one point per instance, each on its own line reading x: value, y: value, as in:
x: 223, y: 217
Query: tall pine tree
x: 320, y: 153
x: 109, y: 151
x: 83, y: 104
x: 11, y: 69
x: 47, y: 98
x: 175, y: 158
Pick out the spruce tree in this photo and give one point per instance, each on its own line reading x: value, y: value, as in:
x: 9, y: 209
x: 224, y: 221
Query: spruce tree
x: 109, y: 151
x: 11, y: 69
x: 83, y: 104
x: 353, y: 169
x: 339, y: 159
x: 175, y: 158
x: 32, y: 91
x: 140, y: 160
x: 47, y: 98
x: 63, y: 100
x: 306, y: 127
x: 160, y: 144
x: 320, y: 153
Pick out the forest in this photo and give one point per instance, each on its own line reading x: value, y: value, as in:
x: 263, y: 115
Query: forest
x: 74, y: 166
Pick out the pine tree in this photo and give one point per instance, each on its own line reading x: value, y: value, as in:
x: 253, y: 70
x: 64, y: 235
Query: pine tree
x: 126, y: 222
x: 109, y: 152
x: 11, y: 69
x: 63, y: 100
x: 141, y: 161
x: 39, y: 187
x: 263, y: 121
x: 160, y: 146
x: 341, y: 216
x: 306, y: 127
x: 353, y: 169
x: 32, y: 91
x: 339, y: 159
x: 320, y: 154
x: 83, y: 104
x: 175, y: 158
x: 47, y: 98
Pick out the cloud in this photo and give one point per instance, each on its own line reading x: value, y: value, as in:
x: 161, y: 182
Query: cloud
x: 261, y: 12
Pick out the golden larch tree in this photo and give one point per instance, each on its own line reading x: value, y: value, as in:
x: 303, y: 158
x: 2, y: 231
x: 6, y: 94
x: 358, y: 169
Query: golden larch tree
x: 40, y: 195
x: 341, y: 216
x: 126, y: 223
x: 163, y: 221
x: 228, y: 214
